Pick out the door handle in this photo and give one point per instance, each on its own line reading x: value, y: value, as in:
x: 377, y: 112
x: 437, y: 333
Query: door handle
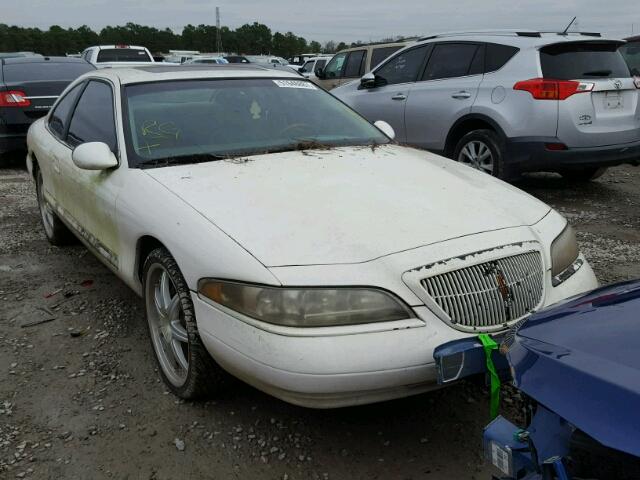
x: 461, y: 95
x: 399, y: 96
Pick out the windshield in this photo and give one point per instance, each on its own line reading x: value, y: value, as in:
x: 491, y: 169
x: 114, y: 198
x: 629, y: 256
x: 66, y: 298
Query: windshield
x: 200, y: 120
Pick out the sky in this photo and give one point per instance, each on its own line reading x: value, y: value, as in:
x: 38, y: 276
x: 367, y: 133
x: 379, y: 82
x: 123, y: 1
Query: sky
x: 338, y: 20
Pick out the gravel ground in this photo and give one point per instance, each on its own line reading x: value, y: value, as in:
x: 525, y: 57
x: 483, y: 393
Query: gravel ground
x: 80, y: 396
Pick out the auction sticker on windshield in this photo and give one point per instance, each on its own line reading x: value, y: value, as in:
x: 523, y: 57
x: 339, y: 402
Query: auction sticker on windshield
x: 295, y: 84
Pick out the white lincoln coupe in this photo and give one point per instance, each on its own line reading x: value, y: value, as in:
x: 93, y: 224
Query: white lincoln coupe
x: 276, y: 234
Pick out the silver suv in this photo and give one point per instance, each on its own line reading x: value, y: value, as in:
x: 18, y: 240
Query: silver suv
x: 509, y: 102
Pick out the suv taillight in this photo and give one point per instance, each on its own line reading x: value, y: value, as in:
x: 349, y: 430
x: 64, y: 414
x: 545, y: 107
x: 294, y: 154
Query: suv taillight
x: 14, y: 98
x: 546, y: 89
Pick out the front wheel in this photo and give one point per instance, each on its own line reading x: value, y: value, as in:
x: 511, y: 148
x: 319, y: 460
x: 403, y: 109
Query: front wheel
x: 480, y: 149
x: 185, y: 365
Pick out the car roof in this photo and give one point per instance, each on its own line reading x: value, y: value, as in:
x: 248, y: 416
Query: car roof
x: 159, y: 73
x: 519, y: 38
x: 119, y: 46
x: 43, y: 60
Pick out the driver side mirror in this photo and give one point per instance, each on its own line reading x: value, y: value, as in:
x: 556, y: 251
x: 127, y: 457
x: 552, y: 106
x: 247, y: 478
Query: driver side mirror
x: 368, y: 80
x: 94, y: 156
x: 385, y: 128
x: 320, y: 73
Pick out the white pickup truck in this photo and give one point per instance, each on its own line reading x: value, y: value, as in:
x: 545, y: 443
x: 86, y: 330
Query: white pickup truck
x: 118, y: 56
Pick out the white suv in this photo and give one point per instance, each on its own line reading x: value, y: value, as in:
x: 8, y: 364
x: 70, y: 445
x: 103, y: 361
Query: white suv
x: 509, y: 102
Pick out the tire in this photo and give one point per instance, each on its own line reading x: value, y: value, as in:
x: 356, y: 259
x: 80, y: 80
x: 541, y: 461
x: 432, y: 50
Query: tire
x: 56, y: 232
x: 475, y: 145
x: 186, y: 367
x: 583, y: 174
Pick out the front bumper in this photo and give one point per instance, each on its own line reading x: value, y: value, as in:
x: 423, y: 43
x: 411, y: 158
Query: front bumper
x: 339, y: 366
x: 529, y: 154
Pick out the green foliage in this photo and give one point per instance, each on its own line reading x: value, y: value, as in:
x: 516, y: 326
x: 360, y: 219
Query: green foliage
x: 248, y: 39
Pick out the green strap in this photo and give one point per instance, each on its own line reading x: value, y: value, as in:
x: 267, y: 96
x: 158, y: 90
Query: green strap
x: 489, y: 345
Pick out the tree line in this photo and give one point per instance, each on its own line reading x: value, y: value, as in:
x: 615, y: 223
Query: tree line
x: 248, y: 39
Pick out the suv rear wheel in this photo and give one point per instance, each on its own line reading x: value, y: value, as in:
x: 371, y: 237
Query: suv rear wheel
x: 481, y: 150
x: 583, y: 174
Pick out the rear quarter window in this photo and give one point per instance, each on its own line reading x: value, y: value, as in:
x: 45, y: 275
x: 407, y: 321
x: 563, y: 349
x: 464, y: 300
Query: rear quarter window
x: 496, y: 56
x: 20, y: 72
x: 568, y: 61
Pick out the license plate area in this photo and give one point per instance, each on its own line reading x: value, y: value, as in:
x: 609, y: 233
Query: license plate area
x: 613, y: 100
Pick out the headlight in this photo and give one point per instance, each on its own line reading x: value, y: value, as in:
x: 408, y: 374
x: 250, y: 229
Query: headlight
x: 564, y: 252
x: 306, y: 307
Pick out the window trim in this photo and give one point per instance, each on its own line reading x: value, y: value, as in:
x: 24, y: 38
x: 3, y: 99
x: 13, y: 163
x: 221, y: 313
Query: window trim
x: 455, y: 42
x: 72, y: 112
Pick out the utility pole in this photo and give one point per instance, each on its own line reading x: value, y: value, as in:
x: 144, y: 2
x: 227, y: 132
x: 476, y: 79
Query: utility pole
x: 218, y: 33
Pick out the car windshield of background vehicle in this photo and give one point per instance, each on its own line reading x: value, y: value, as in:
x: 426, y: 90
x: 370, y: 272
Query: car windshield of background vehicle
x: 204, y: 120
x: 43, y: 71
x: 123, y: 55
x: 572, y: 61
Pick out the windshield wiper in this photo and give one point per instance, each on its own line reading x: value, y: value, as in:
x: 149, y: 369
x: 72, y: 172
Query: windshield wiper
x: 597, y: 73
x: 182, y: 159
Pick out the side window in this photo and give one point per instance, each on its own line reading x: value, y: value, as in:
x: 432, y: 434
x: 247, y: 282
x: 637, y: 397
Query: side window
x: 497, y: 56
x: 379, y: 54
x: 355, y: 63
x: 320, y: 64
x: 450, y: 60
x: 58, y: 120
x: 93, y: 119
x: 478, y: 62
x: 402, y: 68
x: 334, y: 67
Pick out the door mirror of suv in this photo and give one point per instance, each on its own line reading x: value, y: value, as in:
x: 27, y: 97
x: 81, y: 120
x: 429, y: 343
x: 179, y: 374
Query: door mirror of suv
x: 368, y: 80
x: 94, y: 156
x: 320, y: 73
x: 385, y: 128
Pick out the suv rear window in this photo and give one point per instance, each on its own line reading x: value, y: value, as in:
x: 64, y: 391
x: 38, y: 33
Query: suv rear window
x: 567, y: 61
x: 122, y: 55
x: 20, y: 72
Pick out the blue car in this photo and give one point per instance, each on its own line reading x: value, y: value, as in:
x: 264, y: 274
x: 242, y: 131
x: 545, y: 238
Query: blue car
x: 578, y: 366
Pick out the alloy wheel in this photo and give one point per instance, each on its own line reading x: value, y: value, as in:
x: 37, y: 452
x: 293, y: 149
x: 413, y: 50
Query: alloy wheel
x: 478, y: 155
x: 167, y: 325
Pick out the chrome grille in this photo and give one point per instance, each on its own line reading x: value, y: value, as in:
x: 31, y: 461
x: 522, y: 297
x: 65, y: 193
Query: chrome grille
x: 490, y: 294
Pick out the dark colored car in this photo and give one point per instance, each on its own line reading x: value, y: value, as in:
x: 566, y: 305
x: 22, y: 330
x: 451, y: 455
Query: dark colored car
x: 578, y: 366
x: 29, y: 86
x: 237, y: 59
x: 631, y: 53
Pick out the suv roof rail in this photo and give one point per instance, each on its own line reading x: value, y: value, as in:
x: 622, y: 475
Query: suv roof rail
x: 518, y: 33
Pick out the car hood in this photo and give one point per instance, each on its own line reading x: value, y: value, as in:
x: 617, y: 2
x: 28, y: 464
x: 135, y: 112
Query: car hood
x: 585, y: 352
x: 348, y: 204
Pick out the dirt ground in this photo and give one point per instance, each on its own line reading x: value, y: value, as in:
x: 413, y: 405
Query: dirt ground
x: 80, y: 395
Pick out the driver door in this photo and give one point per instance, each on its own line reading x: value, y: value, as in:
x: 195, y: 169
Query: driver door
x: 91, y: 194
x: 387, y: 99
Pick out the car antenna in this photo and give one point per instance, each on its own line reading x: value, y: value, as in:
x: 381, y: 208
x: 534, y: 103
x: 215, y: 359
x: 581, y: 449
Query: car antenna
x: 568, y: 26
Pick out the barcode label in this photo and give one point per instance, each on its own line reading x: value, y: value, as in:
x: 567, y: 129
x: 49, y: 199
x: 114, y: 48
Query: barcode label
x: 500, y: 458
x: 295, y: 84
